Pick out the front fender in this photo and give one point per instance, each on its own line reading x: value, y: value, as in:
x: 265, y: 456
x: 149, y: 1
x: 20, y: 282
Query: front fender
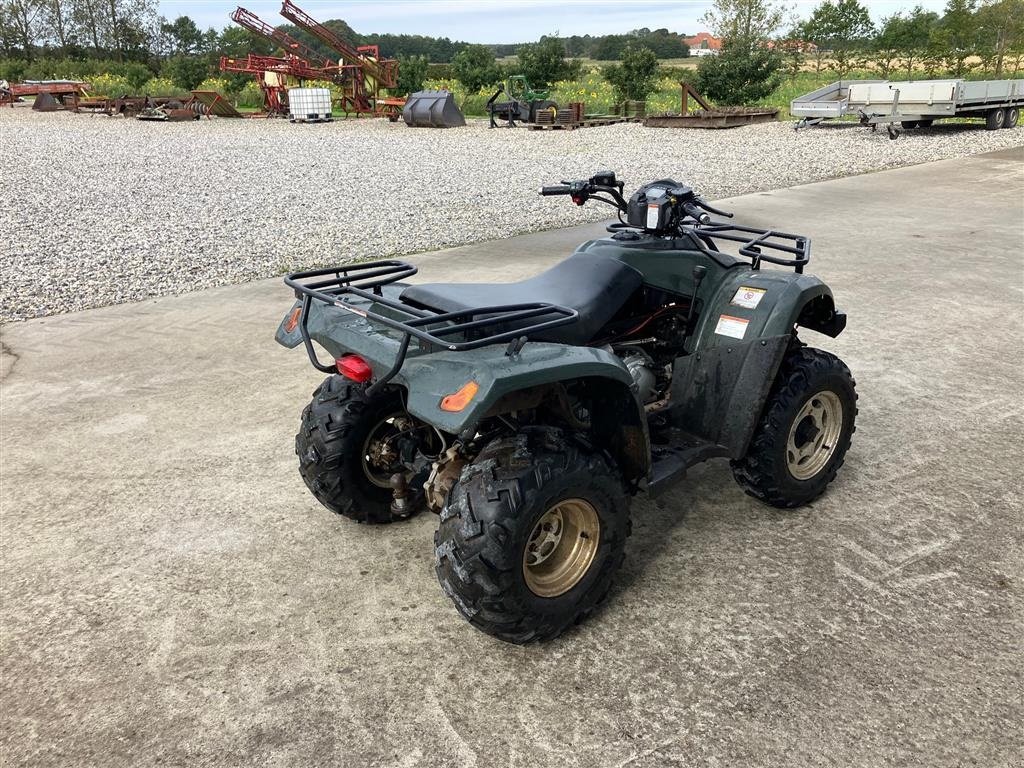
x: 744, y: 330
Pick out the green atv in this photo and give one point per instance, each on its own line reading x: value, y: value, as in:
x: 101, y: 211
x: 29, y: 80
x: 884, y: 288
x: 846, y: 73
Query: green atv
x: 526, y: 415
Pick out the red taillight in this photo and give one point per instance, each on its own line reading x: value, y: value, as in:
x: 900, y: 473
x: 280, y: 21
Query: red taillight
x: 354, y: 367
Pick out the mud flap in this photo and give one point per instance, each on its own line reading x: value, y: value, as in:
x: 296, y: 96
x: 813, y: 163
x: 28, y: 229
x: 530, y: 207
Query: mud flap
x: 718, y: 394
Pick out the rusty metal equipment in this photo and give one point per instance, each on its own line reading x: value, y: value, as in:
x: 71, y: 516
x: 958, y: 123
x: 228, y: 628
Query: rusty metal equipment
x: 574, y: 116
x: 212, y: 103
x: 256, y: 25
x: 360, y: 73
x: 364, y: 73
x: 708, y: 116
x: 432, y: 109
x: 65, y: 93
x: 172, y: 113
x: 275, y: 74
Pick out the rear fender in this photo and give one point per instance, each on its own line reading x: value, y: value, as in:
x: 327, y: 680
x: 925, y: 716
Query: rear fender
x: 429, y: 378
x: 504, y: 383
x: 745, y: 327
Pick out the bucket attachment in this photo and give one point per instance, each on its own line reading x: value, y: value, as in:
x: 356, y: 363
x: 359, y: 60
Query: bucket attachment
x: 432, y: 109
x: 46, y: 103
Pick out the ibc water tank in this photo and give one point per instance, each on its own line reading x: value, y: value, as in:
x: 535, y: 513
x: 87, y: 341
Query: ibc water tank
x: 309, y: 104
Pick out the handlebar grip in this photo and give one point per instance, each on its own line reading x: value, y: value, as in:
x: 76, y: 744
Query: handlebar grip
x: 695, y: 213
x: 557, y: 189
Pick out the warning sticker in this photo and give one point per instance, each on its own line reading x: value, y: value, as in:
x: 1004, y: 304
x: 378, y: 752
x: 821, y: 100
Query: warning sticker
x: 652, y: 216
x: 728, y: 325
x: 748, y: 298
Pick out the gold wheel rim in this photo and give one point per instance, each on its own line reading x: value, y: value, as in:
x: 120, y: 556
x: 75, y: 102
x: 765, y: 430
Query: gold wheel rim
x: 561, y: 548
x: 814, y: 435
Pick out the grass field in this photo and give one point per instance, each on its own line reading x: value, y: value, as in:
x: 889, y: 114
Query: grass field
x: 594, y: 91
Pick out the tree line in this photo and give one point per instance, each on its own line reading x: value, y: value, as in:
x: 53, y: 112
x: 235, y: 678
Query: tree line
x: 763, y: 43
x: 762, y: 46
x: 132, y: 30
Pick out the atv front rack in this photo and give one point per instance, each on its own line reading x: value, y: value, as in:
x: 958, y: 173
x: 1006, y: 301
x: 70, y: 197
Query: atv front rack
x: 757, y: 241
x: 458, y: 331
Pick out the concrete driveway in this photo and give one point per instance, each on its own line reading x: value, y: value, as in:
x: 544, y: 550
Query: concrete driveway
x: 172, y: 594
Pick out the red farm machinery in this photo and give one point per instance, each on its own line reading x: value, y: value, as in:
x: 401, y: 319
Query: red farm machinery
x: 360, y: 74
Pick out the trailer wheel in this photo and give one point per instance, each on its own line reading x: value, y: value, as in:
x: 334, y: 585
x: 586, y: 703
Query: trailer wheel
x: 1012, y: 116
x: 908, y: 124
x: 926, y: 123
x: 995, y: 119
x: 804, y: 433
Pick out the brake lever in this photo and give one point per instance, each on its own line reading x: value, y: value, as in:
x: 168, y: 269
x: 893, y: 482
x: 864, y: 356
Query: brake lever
x: 710, y: 209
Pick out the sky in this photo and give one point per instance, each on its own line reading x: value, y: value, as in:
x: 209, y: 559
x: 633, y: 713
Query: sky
x: 496, y: 21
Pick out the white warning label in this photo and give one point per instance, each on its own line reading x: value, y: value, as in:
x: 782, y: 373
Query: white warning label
x: 748, y: 298
x: 736, y: 327
x: 652, y: 216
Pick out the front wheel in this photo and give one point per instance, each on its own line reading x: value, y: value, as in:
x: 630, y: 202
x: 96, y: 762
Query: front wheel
x: 804, y: 433
x: 532, y: 535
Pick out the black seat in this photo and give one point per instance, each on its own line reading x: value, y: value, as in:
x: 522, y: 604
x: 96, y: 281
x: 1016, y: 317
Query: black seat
x: 595, y: 286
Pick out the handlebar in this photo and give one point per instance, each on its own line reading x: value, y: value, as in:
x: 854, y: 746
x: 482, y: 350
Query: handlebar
x: 604, y: 188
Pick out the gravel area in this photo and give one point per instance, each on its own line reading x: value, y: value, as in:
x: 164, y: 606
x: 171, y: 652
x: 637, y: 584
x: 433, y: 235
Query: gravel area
x: 98, y: 210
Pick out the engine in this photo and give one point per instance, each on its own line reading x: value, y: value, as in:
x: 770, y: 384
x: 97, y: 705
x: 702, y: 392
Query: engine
x: 651, y: 379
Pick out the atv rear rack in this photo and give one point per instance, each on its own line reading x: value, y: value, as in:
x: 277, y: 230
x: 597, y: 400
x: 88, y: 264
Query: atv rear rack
x: 754, y: 240
x: 479, y: 326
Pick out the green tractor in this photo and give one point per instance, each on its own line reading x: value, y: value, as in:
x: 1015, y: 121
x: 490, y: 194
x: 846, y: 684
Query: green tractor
x: 523, y: 105
x: 527, y: 415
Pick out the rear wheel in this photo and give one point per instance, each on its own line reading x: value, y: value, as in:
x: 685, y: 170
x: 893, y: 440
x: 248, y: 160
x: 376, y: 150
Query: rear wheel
x: 995, y: 119
x: 532, y: 535
x: 1012, y: 116
x: 348, y: 449
x: 804, y: 433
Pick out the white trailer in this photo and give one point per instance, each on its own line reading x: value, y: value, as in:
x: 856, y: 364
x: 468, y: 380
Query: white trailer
x: 826, y: 103
x: 915, y: 104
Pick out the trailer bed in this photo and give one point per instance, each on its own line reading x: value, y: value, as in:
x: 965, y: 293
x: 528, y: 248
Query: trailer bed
x: 826, y: 103
x: 913, y: 103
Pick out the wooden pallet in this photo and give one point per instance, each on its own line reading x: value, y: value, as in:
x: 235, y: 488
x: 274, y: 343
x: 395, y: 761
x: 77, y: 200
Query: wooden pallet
x: 594, y: 122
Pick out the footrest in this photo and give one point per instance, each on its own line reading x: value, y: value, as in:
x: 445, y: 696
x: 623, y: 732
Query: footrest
x: 670, y: 462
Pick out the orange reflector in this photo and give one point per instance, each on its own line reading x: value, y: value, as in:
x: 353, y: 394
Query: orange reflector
x: 293, y: 320
x: 460, y: 399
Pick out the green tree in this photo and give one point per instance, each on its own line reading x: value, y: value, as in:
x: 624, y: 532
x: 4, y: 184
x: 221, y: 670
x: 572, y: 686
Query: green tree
x: 474, y: 66
x: 1001, y: 33
x: 412, y: 71
x: 747, y: 21
x: 793, y: 49
x: 740, y: 74
x: 19, y: 26
x: 186, y: 71
x: 746, y: 69
x: 903, y: 37
x: 635, y: 77
x: 183, y: 36
x: 842, y: 28
x: 955, y: 39
x: 236, y: 42
x: 544, y: 62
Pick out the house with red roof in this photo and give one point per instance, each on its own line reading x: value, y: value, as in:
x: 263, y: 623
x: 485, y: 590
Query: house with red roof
x: 703, y: 44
